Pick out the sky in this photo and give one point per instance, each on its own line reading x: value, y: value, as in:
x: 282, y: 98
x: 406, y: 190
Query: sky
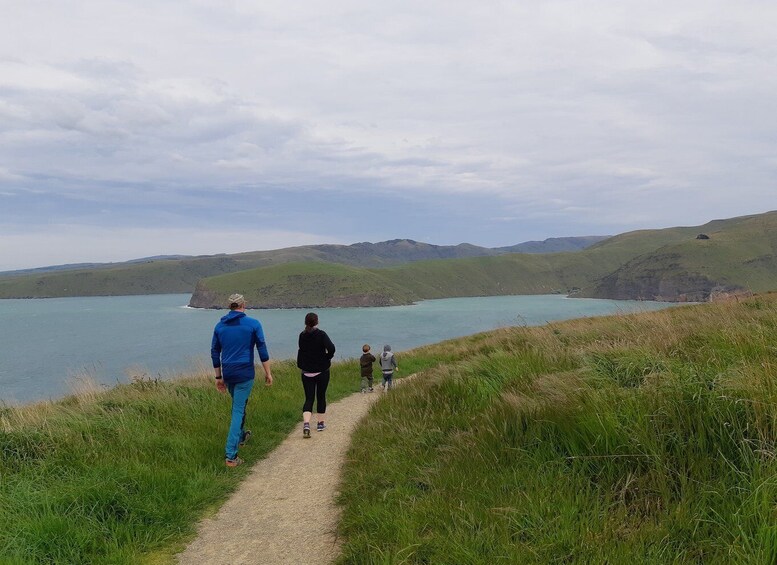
x: 149, y: 127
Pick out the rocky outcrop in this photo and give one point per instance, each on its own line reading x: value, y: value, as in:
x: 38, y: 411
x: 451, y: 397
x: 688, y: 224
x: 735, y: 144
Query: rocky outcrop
x: 203, y: 297
x: 722, y: 294
x: 654, y: 285
x: 661, y: 277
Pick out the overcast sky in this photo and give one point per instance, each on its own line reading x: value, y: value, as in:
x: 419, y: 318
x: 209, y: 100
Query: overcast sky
x: 136, y: 128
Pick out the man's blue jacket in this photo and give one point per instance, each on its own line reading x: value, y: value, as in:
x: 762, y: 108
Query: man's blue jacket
x: 232, y: 348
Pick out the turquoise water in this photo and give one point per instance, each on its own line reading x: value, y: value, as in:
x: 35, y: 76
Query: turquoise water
x: 46, y: 345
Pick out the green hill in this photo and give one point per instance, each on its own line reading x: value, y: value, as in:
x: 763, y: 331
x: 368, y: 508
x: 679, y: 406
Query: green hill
x: 154, y: 277
x: 163, y: 275
x: 667, y: 264
x: 729, y: 257
x: 738, y: 256
x: 300, y: 285
x: 554, y: 244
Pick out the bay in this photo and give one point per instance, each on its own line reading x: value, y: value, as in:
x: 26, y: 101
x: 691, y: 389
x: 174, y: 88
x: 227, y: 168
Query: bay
x: 47, y: 345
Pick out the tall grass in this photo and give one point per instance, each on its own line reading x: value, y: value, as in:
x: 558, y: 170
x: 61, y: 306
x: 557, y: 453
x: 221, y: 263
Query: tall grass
x: 123, y: 476
x: 645, y: 438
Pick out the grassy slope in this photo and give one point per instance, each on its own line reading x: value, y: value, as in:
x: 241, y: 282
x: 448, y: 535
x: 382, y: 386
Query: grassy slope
x: 298, y: 285
x: 301, y: 285
x: 641, y: 438
x: 181, y: 275
x: 148, y: 278
x: 310, y: 284
x: 502, y: 275
x: 123, y: 476
x: 630, y: 439
x: 315, y: 285
x: 739, y: 253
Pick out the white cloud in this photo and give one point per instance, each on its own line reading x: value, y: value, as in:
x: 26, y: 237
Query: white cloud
x: 8, y: 176
x: 35, y: 76
x: 550, y: 109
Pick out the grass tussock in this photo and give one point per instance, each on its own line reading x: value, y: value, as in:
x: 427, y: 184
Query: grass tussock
x: 645, y: 438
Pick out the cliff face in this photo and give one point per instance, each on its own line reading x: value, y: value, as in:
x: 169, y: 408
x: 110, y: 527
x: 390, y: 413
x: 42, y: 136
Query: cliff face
x: 655, y: 285
x: 661, y: 277
x: 203, y: 297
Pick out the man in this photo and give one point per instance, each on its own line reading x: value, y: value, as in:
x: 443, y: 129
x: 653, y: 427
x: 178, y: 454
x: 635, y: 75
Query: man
x: 232, y: 351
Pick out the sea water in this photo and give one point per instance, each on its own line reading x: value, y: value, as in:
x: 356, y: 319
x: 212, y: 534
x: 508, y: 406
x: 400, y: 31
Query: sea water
x: 47, y: 345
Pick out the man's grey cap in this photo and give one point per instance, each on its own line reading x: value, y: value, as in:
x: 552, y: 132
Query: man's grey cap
x: 238, y: 299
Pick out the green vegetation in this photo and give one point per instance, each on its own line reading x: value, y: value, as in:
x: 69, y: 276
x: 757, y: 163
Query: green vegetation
x: 123, y: 476
x: 154, y: 277
x: 166, y: 275
x: 666, y: 264
x: 298, y: 285
x: 738, y: 256
x: 643, y: 438
x: 647, y: 438
x: 677, y: 266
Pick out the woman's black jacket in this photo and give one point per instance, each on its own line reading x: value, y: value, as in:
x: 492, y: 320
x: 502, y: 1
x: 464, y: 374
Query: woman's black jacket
x: 315, y: 351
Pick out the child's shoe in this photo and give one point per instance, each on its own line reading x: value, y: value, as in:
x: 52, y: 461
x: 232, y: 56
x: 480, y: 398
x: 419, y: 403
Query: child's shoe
x: 245, y: 438
x: 371, y: 389
x: 233, y: 462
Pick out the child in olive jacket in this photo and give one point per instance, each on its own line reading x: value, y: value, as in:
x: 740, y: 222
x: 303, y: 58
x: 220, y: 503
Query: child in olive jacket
x: 365, y: 363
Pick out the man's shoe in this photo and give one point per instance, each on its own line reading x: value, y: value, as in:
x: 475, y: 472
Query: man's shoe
x: 320, y: 427
x: 306, y: 432
x: 246, y: 437
x: 233, y: 462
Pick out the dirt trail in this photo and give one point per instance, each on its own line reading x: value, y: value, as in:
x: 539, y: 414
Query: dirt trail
x: 285, y: 511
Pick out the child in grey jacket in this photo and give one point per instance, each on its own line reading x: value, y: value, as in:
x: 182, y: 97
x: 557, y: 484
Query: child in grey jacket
x: 388, y: 364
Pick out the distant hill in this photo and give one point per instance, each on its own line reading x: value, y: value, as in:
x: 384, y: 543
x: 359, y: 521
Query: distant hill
x: 554, y: 244
x: 739, y: 256
x: 86, y: 266
x: 178, y: 274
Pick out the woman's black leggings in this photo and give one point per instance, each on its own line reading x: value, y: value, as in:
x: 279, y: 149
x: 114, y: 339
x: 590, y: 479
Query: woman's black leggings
x: 315, y: 388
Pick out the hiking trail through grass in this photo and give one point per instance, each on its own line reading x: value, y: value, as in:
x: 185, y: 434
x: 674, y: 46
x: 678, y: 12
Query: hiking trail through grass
x: 285, y: 510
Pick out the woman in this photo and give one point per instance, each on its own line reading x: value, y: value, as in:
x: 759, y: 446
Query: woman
x: 314, y: 358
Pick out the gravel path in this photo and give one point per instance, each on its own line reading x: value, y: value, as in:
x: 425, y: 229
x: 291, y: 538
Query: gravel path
x: 285, y: 511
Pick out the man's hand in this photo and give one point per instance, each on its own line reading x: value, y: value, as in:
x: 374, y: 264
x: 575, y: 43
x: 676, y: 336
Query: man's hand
x: 267, y: 373
x: 222, y: 388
